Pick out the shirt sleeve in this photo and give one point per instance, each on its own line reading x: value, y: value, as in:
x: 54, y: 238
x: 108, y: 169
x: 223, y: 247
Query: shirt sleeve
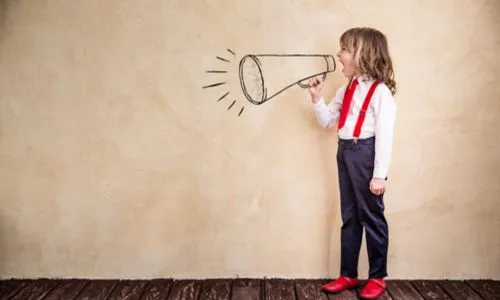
x: 328, y: 115
x: 385, y: 117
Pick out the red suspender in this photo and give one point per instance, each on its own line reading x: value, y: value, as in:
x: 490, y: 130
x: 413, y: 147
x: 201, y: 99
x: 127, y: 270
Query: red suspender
x: 346, y: 103
x: 362, y: 112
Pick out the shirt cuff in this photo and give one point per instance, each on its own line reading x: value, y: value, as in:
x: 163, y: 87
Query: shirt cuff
x: 380, y: 172
x: 320, y: 104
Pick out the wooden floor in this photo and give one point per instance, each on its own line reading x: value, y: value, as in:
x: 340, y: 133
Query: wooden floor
x: 232, y: 289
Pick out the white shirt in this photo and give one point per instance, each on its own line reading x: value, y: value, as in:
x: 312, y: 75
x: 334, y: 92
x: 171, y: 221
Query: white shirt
x: 379, y: 120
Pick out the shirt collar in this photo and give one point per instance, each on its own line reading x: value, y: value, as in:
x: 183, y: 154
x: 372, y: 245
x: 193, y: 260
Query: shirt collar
x: 364, y: 79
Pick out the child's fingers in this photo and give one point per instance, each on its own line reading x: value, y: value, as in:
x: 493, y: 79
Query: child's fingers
x: 315, y: 81
x: 319, y: 81
x: 309, y: 83
x: 375, y: 189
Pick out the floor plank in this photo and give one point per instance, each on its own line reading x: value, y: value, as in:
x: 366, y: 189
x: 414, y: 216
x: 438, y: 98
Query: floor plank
x: 276, y: 289
x: 402, y: 289
x: 488, y: 289
x: 128, y: 290
x: 185, y: 290
x: 9, y: 288
x: 430, y: 290
x: 97, y: 289
x: 67, y: 290
x: 344, y: 295
x: 36, y: 289
x: 247, y: 289
x: 236, y: 289
x: 157, y: 289
x: 216, y: 289
x: 385, y: 296
x: 458, y: 290
x: 310, y: 289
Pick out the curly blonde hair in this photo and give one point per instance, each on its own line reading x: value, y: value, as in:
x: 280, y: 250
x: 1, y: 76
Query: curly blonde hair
x: 371, y: 53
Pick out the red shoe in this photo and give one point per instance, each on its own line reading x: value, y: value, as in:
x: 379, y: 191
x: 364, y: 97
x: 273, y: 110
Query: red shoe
x: 373, y: 289
x: 340, y: 284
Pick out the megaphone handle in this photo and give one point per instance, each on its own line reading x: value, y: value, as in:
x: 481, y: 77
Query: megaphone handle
x: 305, y: 86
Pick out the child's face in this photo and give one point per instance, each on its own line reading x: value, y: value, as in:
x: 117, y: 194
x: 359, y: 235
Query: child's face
x: 346, y: 57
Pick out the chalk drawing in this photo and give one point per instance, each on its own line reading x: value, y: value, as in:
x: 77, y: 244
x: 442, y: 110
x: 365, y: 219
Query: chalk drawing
x: 254, y: 68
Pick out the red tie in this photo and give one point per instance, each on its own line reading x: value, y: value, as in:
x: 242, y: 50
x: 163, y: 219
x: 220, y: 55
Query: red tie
x: 346, y: 103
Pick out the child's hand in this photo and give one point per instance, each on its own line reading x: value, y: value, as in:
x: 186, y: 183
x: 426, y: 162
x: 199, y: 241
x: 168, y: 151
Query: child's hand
x: 377, y: 186
x: 315, y: 87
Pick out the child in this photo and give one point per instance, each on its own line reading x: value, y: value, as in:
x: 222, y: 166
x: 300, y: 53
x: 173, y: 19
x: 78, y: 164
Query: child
x: 365, y: 111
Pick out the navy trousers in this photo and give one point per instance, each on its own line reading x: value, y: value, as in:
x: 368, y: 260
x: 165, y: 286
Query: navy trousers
x: 360, y: 209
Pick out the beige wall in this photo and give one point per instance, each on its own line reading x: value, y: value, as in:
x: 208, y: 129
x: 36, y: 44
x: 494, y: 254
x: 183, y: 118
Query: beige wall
x: 115, y: 162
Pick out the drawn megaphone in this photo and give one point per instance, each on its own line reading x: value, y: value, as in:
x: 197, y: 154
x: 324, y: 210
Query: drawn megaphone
x: 264, y: 76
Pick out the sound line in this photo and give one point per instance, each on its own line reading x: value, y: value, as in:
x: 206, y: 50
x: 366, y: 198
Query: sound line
x: 241, y: 110
x: 223, y: 96
x: 231, y: 105
x: 223, y: 59
x: 216, y: 71
x: 231, y: 51
x: 215, y: 84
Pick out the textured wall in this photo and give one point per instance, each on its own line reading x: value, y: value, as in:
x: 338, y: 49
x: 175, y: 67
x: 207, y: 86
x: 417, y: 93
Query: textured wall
x: 115, y: 162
